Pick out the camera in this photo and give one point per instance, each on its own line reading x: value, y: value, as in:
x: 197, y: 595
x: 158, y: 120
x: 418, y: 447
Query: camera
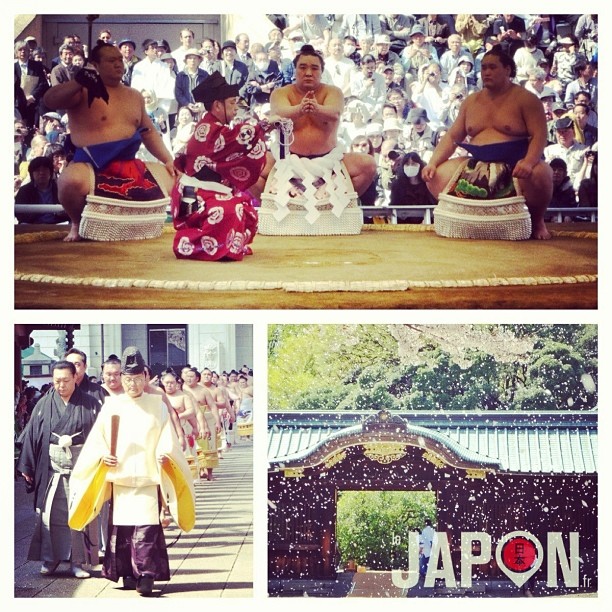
x: 394, y: 154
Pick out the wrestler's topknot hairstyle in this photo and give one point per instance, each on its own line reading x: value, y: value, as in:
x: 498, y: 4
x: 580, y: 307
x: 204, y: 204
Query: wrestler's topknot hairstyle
x: 505, y: 59
x: 94, y: 55
x: 308, y: 50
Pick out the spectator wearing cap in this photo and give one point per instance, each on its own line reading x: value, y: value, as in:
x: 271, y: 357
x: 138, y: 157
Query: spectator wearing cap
x: 436, y: 31
x: 163, y: 47
x: 52, y: 126
x: 548, y: 99
x: 41, y: 189
x: 369, y: 87
x: 338, y: 68
x: 418, y: 136
x: 233, y: 71
x: 527, y: 57
x: 146, y: 70
x: 553, y: 111
x: 188, y: 79
x: 511, y: 32
x: 382, y: 51
x: 564, y: 195
x: 359, y: 26
x: 393, y: 128
x: 463, y: 74
x: 567, y: 147
x: 387, y: 72
x: 64, y: 71
x: 170, y: 62
x: 418, y: 52
x: 127, y: 48
x: 550, y: 80
x: 187, y: 38
x: 315, y: 29
x: 397, y: 28
x: 585, y: 81
x: 564, y: 60
x: 450, y: 59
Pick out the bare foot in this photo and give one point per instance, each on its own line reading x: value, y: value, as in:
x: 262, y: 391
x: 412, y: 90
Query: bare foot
x: 539, y: 230
x: 73, y: 234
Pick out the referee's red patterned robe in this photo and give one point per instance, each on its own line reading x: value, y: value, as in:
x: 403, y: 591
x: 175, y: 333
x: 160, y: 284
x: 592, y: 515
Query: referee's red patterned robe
x: 219, y: 225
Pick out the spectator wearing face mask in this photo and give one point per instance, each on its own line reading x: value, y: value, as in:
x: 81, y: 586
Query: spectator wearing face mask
x: 265, y: 76
x: 408, y: 188
x: 349, y: 44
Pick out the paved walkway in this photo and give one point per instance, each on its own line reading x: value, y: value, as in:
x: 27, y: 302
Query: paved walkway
x: 212, y: 560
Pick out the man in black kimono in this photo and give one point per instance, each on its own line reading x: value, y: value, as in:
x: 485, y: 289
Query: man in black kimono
x: 51, y: 443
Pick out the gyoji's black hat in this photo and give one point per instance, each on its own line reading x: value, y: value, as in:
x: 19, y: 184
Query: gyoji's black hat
x: 132, y: 361
x: 214, y: 87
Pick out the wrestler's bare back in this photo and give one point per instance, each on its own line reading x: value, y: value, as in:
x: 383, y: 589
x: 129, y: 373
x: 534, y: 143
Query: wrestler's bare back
x: 312, y: 136
x: 489, y: 119
x: 103, y: 122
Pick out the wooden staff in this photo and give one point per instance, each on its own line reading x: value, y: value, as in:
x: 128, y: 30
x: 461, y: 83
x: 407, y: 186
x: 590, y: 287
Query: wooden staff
x: 114, y: 434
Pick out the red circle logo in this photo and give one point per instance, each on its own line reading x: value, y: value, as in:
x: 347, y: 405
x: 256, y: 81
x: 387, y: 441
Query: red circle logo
x: 519, y: 554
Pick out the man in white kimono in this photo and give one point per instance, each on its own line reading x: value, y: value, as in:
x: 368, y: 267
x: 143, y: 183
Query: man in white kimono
x: 141, y: 488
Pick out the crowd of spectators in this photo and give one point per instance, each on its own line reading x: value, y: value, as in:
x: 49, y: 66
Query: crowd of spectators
x: 403, y: 77
x: 238, y: 382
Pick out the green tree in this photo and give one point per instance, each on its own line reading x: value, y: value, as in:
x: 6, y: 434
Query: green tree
x: 373, y: 526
